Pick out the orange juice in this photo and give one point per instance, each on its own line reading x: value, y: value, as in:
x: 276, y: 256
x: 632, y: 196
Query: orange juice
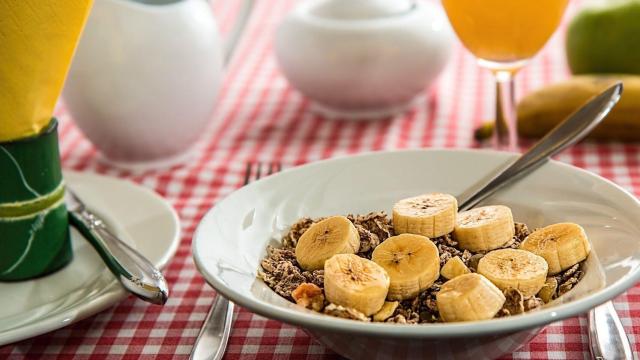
x: 504, y: 30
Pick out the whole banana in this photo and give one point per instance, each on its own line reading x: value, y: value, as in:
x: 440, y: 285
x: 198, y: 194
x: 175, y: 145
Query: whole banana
x: 543, y: 109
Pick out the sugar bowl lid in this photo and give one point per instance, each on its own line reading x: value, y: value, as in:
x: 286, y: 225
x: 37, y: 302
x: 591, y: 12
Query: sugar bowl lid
x: 360, y: 9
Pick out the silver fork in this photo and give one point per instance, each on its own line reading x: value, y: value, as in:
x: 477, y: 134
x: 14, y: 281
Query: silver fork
x: 214, y: 334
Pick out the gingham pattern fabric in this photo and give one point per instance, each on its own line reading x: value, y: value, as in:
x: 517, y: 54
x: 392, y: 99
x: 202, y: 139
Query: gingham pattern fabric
x: 259, y: 117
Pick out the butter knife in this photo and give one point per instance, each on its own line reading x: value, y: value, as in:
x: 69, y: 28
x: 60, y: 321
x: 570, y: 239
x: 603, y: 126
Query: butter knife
x: 137, y: 274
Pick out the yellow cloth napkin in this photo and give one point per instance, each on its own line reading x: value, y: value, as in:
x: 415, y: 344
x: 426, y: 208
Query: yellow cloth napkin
x: 37, y: 41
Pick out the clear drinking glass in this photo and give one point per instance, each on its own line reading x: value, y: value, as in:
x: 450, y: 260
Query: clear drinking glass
x: 504, y: 35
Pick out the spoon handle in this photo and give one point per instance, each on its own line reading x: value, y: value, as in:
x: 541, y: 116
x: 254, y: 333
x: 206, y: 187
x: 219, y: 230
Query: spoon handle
x: 568, y: 132
x: 214, y: 334
x: 132, y: 269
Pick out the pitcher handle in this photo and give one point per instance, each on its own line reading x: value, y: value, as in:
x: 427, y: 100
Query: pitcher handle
x: 238, y: 28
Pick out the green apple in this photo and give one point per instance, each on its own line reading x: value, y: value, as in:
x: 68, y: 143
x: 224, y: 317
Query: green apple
x: 605, y: 39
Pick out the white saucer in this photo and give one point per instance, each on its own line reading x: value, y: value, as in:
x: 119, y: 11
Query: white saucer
x: 85, y: 286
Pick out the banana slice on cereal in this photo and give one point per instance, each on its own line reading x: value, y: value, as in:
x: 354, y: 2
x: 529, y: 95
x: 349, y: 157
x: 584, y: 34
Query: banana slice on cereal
x: 513, y: 268
x: 412, y: 262
x: 469, y: 297
x: 484, y: 228
x: 429, y: 215
x: 355, y: 282
x: 561, y: 245
x: 386, y: 312
x: 322, y: 240
x: 454, y: 267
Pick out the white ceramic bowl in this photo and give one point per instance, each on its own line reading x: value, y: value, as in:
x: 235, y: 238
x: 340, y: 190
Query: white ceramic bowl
x: 231, y: 239
x: 362, y: 68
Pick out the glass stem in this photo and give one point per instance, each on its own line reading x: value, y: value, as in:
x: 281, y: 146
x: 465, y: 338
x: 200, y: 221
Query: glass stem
x: 505, y: 136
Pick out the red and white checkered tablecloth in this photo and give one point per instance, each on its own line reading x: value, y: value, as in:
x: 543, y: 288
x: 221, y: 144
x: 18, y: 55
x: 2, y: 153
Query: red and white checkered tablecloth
x: 259, y: 117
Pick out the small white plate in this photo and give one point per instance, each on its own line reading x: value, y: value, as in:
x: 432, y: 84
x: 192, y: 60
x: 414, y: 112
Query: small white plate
x: 85, y: 286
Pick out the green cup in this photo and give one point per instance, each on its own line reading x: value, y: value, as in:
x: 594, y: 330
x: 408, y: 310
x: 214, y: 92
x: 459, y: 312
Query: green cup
x: 34, y: 229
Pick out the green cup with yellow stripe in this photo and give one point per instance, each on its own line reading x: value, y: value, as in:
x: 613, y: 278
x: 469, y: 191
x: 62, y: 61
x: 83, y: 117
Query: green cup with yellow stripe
x: 34, y: 230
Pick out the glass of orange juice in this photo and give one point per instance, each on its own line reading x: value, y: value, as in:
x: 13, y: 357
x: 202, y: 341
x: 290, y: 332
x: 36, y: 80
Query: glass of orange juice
x: 504, y: 35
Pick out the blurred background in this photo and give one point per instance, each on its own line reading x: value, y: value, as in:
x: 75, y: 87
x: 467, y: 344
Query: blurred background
x: 257, y: 102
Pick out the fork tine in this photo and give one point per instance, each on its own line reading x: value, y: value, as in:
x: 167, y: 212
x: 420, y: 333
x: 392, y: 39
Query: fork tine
x: 247, y: 174
x: 272, y: 168
x: 258, y: 170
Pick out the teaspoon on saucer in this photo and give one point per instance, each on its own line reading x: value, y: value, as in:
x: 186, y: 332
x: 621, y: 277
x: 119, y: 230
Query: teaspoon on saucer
x: 137, y: 274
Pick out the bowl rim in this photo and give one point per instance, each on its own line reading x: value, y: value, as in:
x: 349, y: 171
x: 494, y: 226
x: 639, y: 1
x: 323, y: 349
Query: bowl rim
x: 312, y: 320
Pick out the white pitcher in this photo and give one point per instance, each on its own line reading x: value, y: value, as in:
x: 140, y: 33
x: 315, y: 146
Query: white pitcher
x: 145, y: 77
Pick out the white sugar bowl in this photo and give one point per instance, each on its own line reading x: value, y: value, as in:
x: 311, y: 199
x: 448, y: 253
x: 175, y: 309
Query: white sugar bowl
x: 363, y: 59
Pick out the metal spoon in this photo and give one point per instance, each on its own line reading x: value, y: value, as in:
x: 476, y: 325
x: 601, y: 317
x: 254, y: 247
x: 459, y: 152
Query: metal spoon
x: 571, y: 130
x: 132, y: 269
x: 607, y: 338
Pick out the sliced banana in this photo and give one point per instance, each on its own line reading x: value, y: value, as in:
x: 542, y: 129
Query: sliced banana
x: 484, y: 228
x: 333, y: 235
x: 548, y: 290
x: 355, y: 282
x: 469, y: 297
x: 513, y: 268
x: 387, y: 310
x: 412, y: 262
x: 561, y: 245
x: 454, y: 267
x: 430, y: 215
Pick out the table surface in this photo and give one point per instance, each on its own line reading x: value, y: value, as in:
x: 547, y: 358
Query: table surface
x: 259, y: 117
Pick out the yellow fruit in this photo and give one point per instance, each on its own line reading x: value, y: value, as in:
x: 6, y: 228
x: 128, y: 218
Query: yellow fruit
x: 454, y: 267
x: 543, y: 109
x: 561, y: 245
x: 484, y: 228
x: 548, y: 290
x: 356, y: 283
x: 412, y: 262
x: 429, y: 215
x: 387, y: 310
x: 512, y: 268
x: 469, y: 297
x: 322, y: 240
